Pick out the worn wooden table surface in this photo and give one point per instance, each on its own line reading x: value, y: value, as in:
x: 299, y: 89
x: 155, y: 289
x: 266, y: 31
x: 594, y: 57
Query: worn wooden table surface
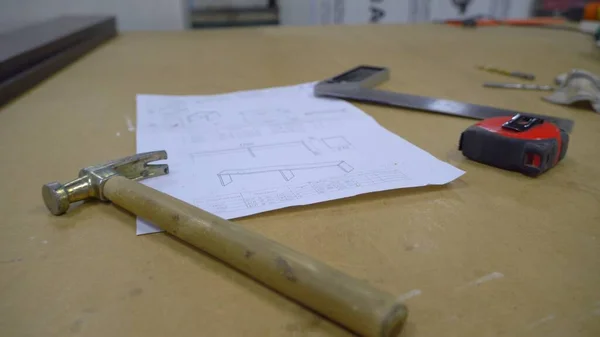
x: 492, y: 254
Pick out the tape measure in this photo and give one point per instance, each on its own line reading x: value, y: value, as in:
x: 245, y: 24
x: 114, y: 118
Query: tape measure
x: 526, y: 144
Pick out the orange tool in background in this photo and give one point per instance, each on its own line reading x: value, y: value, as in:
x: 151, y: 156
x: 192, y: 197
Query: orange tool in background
x: 591, y: 11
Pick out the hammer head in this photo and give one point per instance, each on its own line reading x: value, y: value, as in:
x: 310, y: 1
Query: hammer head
x: 90, y: 183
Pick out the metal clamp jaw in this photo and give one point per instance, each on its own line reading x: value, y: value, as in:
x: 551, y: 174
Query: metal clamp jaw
x: 90, y: 183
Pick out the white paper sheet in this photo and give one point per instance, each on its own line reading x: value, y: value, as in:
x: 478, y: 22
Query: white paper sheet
x: 248, y: 152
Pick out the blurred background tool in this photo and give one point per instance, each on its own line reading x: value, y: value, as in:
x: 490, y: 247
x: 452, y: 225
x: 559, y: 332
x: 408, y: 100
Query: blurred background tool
x: 591, y: 21
x: 205, y: 14
x: 522, y: 86
x: 486, y: 21
x: 572, y: 10
x: 461, y: 5
x: 578, y: 86
x: 517, y: 74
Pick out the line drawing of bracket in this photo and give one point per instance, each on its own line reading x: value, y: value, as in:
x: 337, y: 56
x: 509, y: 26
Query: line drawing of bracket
x: 286, y: 171
x: 252, y: 149
x: 206, y: 116
x: 337, y: 143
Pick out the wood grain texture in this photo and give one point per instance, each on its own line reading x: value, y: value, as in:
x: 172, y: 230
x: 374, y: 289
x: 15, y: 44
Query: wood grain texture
x: 492, y: 254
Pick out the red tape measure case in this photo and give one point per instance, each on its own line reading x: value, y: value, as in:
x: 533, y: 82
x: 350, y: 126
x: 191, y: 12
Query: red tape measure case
x: 522, y: 143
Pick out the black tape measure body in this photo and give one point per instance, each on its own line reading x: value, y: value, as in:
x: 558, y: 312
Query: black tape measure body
x: 521, y: 143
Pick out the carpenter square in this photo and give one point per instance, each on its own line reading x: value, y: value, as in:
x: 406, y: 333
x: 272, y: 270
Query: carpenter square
x: 353, y: 303
x: 358, y: 84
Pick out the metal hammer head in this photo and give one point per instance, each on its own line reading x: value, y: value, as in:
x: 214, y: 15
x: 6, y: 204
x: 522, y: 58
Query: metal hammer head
x: 90, y: 183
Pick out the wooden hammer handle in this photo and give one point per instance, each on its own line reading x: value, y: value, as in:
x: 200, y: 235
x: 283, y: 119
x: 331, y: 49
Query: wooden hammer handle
x: 346, y: 300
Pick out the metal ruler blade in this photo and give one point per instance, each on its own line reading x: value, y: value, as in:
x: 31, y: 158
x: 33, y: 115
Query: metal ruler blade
x: 435, y: 105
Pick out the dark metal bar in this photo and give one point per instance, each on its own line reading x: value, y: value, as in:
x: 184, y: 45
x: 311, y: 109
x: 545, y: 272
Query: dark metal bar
x: 32, y: 54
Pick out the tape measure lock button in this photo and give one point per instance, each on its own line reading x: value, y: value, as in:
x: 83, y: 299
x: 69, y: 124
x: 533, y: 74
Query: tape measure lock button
x: 521, y: 143
x: 520, y: 123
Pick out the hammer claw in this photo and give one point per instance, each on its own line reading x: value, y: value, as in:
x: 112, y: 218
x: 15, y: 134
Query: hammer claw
x: 152, y: 171
x: 136, y: 167
x: 147, y: 157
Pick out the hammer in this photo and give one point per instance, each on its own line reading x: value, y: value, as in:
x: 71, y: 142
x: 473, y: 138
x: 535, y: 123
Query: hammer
x: 348, y: 301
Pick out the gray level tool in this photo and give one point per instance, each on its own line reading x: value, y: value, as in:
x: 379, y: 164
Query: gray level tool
x: 358, y: 85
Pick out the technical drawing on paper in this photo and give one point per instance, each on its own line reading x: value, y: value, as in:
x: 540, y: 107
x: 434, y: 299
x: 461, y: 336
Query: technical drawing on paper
x: 337, y: 143
x: 171, y: 108
x: 286, y: 171
x: 285, y: 116
x: 324, y: 112
x: 205, y: 116
x: 282, y: 194
x: 267, y: 116
x: 252, y: 150
x: 169, y: 114
x: 248, y: 152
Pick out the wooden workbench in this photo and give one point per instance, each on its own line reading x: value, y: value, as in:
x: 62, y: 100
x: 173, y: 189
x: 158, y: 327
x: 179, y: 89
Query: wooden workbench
x: 492, y: 254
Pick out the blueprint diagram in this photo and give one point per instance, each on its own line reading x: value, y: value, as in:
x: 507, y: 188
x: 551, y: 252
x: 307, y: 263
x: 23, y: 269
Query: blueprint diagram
x: 257, y: 150
x: 248, y: 152
x: 286, y: 171
x: 337, y: 143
